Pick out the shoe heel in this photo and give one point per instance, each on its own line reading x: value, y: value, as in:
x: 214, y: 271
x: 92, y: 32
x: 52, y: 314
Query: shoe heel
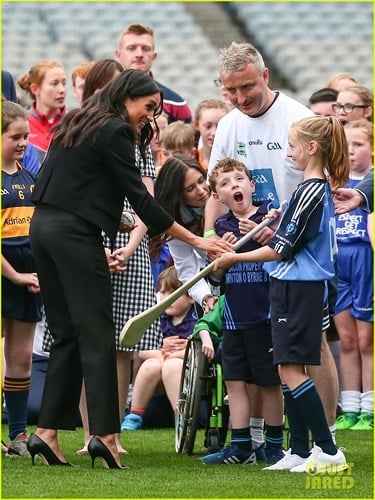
x: 97, y: 448
x: 36, y: 446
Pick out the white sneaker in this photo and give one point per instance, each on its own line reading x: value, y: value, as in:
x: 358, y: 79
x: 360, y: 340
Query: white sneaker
x: 319, y: 462
x: 287, y: 462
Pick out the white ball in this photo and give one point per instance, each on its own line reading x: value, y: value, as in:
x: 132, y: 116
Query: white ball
x: 127, y: 218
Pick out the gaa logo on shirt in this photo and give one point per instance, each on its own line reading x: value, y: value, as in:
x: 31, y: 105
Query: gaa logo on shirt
x: 273, y: 146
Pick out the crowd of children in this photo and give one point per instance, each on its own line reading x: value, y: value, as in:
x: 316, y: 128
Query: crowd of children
x: 265, y: 347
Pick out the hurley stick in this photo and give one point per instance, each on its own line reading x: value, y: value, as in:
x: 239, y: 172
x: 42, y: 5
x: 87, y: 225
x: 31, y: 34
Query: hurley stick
x: 136, y: 326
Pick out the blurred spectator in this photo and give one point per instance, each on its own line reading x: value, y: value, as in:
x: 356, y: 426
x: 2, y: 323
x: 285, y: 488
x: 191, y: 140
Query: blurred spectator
x: 178, y: 137
x: 320, y: 102
x: 341, y: 80
x: 79, y: 75
x: 45, y: 82
x: 207, y: 116
x: 136, y: 50
x: 354, y: 103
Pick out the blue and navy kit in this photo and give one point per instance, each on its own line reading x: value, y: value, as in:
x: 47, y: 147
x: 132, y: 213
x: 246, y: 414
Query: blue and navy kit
x: 354, y: 264
x: 308, y: 249
x: 351, y: 227
x: 246, y: 284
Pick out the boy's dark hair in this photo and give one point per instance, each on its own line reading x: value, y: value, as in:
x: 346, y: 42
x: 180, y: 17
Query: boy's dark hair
x: 323, y: 95
x: 227, y: 165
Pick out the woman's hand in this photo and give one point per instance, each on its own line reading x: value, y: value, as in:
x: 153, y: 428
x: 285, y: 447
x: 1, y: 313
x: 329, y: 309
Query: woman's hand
x: 215, y: 246
x: 116, y: 262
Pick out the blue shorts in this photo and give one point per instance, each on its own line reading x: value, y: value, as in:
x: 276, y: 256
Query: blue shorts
x: 247, y: 355
x: 297, y: 312
x: 355, y: 281
x: 16, y: 301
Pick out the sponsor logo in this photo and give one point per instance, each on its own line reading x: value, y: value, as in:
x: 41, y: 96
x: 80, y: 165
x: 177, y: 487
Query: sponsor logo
x: 241, y: 149
x: 273, y: 146
x: 258, y: 142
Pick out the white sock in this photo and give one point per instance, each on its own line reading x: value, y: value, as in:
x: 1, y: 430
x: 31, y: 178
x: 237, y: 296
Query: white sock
x: 351, y: 401
x: 367, y: 402
x: 332, y: 430
x: 256, y: 431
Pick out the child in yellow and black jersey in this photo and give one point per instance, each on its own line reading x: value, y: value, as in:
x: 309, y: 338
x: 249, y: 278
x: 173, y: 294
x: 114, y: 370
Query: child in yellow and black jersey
x: 21, y: 298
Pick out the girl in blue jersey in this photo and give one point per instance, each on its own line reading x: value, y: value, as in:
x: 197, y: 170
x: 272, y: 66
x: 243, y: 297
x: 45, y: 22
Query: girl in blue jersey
x: 21, y: 299
x: 300, y: 260
x: 354, y: 310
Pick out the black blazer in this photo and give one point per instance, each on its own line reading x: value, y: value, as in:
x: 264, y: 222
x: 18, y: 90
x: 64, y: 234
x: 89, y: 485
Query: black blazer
x: 91, y: 180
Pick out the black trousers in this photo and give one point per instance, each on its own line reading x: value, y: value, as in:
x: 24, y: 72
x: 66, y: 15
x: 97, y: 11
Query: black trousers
x: 76, y: 288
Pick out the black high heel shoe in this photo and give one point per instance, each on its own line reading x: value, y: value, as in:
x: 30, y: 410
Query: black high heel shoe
x: 37, y: 446
x: 97, y: 448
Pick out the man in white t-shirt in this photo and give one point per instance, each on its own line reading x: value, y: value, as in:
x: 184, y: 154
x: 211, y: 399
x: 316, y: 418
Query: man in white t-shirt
x: 255, y: 132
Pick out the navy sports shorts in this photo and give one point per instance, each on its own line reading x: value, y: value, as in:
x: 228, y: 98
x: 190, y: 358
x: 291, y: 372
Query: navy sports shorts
x: 247, y: 355
x: 16, y: 301
x: 297, y: 318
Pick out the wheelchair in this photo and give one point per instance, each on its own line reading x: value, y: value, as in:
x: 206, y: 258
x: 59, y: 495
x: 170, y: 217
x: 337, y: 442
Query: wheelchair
x: 201, y: 397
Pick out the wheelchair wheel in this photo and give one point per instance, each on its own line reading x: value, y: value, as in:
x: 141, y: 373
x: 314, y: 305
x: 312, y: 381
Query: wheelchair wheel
x: 192, y: 384
x: 213, y: 441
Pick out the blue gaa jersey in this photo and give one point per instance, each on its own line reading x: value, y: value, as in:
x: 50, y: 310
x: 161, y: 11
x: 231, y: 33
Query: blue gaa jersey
x: 246, y: 301
x: 16, y: 207
x: 351, y: 227
x: 306, y: 235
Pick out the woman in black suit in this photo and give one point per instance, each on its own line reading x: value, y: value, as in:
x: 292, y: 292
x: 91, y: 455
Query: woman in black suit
x: 80, y: 191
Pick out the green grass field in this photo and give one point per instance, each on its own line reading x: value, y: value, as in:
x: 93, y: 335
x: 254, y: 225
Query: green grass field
x: 156, y: 471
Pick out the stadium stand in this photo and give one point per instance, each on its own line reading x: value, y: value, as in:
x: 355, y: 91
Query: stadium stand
x: 310, y: 41
x: 307, y: 42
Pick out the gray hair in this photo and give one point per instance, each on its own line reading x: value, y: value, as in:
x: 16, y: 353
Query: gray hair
x: 237, y: 56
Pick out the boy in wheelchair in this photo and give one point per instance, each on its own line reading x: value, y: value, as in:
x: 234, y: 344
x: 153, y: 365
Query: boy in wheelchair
x: 250, y: 377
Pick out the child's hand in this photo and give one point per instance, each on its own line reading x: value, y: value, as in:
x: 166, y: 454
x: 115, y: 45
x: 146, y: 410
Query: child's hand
x: 116, y: 260
x: 229, y: 237
x: 225, y: 261
x: 207, y: 345
x: 173, y: 343
x: 246, y: 225
x: 30, y: 280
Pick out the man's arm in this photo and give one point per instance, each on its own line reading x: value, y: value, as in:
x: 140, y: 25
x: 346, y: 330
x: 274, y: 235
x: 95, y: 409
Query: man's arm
x: 362, y: 196
x: 366, y: 188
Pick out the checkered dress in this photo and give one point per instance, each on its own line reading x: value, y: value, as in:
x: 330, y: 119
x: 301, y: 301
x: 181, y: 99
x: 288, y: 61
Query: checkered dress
x: 133, y: 289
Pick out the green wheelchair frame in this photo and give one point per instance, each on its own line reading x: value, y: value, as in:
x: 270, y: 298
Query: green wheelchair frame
x: 200, y: 381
